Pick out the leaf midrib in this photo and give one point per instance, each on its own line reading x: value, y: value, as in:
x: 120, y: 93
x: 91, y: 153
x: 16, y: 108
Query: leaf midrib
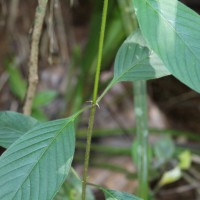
x: 115, y: 80
x: 111, y: 195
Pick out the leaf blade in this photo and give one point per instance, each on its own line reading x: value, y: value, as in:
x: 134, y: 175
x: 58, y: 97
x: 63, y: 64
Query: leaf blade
x: 172, y: 30
x: 13, y: 125
x: 38, y: 161
x: 134, y: 61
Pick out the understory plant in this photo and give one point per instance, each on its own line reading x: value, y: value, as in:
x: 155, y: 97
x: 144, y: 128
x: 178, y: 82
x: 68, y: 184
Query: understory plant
x: 38, y: 155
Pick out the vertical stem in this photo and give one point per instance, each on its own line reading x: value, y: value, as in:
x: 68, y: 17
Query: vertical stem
x: 140, y: 101
x: 100, y: 51
x: 94, y: 100
x: 87, y: 152
x: 33, y: 60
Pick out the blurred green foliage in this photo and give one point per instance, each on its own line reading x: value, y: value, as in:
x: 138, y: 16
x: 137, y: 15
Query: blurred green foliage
x: 18, y: 87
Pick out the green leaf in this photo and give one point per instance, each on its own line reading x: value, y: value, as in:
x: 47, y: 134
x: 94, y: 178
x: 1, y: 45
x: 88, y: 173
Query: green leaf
x: 163, y: 150
x: 13, y: 125
x: 185, y: 160
x: 36, y: 165
x: 44, y: 97
x: 170, y: 176
x: 39, y: 114
x: 17, y: 83
x: 117, y: 195
x: 134, y: 61
x: 172, y: 30
x: 72, y: 189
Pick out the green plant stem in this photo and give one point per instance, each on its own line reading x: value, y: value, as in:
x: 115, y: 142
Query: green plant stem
x: 105, y: 91
x: 130, y: 24
x: 81, y: 111
x: 100, y: 51
x: 87, y: 152
x: 93, y: 109
x: 140, y: 101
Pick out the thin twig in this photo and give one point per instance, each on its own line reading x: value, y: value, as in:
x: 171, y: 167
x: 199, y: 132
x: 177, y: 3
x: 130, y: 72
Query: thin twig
x: 33, y: 61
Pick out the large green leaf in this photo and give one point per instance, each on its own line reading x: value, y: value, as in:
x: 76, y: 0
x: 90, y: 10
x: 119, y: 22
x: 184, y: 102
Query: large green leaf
x: 135, y: 61
x: 117, y: 195
x: 13, y: 125
x: 172, y: 30
x: 35, y: 166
